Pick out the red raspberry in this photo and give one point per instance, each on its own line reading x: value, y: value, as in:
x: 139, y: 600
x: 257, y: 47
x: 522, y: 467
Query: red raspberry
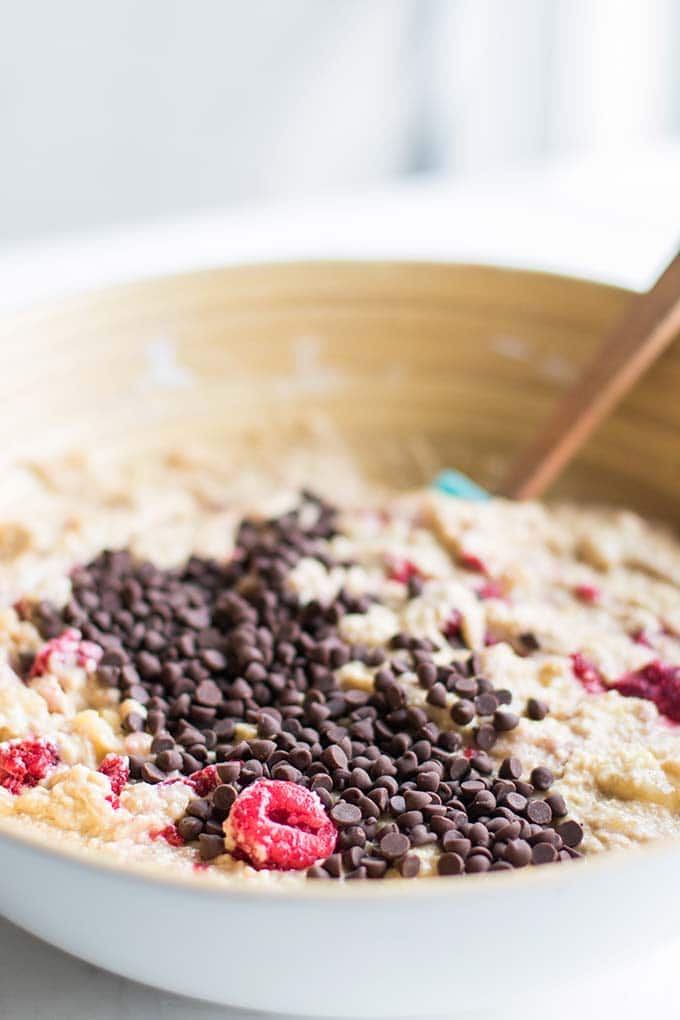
x: 203, y: 781
x: 587, y: 674
x: 67, y: 649
x: 587, y: 593
x: 491, y: 590
x: 25, y: 763
x: 117, y: 771
x: 170, y: 834
x: 658, y: 682
x: 472, y: 562
x: 280, y: 825
x: 452, y: 626
x: 403, y: 571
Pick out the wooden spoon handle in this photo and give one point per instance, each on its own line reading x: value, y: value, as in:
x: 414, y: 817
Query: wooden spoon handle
x: 651, y: 321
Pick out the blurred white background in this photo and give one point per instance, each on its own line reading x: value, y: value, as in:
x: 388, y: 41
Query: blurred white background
x: 125, y: 111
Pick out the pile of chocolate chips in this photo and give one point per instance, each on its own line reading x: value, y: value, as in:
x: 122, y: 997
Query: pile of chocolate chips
x: 212, y: 645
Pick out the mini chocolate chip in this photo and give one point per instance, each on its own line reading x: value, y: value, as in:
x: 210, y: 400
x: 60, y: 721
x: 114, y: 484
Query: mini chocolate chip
x: 208, y: 693
x: 484, y: 803
x: 229, y: 771
x: 416, y: 799
x: 542, y: 778
x: 210, y: 846
x: 518, y: 853
x: 539, y: 812
x: 465, y: 687
x: 511, y: 768
x: 224, y: 796
x: 189, y: 828
x: 133, y: 723
x: 515, y: 801
x: 333, y: 865
x: 453, y: 842
x: 344, y: 814
x: 543, y: 853
x: 450, y: 864
x: 536, y: 709
x: 394, y: 845
x: 375, y: 867
x: 571, y: 833
x: 426, y: 673
x: 409, y: 866
x: 486, y: 704
x: 169, y: 761
x: 437, y: 696
x: 317, y: 871
x: 458, y: 767
x: 151, y: 773
x: 162, y: 743
x: 351, y: 858
x: 334, y: 757
x: 409, y: 818
x: 477, y: 863
x: 485, y: 737
x: 557, y: 804
x: 262, y: 749
x: 504, y: 719
x: 199, y: 807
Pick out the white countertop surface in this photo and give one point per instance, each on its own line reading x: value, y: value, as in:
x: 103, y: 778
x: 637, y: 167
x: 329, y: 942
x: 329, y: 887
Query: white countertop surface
x: 613, y: 219
x: 41, y: 983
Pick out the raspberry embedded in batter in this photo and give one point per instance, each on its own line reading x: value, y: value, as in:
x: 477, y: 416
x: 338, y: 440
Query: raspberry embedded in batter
x: 403, y: 571
x: 587, y: 674
x: 116, y: 770
x: 278, y: 824
x: 657, y: 682
x: 69, y: 648
x: 170, y: 834
x: 203, y: 781
x: 471, y: 561
x: 25, y: 763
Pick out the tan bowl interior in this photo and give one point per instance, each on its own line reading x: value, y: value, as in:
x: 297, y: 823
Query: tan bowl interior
x: 417, y: 366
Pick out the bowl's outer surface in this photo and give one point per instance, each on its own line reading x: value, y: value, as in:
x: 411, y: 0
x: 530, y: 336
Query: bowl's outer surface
x: 372, y: 949
x: 419, y: 367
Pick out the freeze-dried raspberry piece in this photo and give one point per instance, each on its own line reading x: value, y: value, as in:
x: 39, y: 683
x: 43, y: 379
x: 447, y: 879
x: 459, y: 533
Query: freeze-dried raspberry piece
x: 203, y: 781
x: 587, y: 593
x: 588, y: 674
x: 278, y: 824
x: 451, y: 628
x: 117, y: 772
x: 402, y: 571
x: 68, y: 649
x: 170, y: 834
x: 643, y: 637
x: 471, y: 561
x: 657, y: 682
x: 25, y: 763
x: 491, y: 590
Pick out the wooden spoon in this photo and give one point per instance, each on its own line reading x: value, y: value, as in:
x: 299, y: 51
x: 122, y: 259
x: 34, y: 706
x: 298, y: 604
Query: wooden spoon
x: 651, y: 321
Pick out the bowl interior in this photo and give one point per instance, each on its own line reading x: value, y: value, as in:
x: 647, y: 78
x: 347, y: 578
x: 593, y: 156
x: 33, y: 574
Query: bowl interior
x: 413, y: 366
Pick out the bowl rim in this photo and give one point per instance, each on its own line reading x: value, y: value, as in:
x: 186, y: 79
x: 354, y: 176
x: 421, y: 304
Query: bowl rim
x: 433, y: 887
x: 64, y: 303
x: 430, y: 887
